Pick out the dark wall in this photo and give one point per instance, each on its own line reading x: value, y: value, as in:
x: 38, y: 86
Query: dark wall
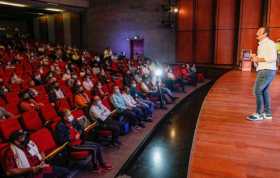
x: 112, y: 22
x: 24, y: 25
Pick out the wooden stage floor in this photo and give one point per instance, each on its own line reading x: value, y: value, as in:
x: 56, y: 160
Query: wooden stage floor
x: 226, y: 145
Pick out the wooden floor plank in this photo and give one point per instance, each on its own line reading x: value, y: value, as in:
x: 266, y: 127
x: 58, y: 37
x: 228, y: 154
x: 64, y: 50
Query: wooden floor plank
x: 226, y: 145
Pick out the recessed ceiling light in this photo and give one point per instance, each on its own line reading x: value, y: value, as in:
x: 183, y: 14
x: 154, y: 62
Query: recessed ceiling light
x: 54, y: 9
x: 12, y: 4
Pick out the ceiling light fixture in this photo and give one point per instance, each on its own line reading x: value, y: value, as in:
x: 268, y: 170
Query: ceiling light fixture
x: 54, y: 9
x: 12, y: 4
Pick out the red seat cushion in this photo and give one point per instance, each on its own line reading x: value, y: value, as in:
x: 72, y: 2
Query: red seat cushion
x: 7, y: 127
x: 44, y: 140
x: 32, y: 121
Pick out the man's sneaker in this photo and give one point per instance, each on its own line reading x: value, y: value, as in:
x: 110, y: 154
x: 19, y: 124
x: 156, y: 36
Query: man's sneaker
x: 255, y: 117
x: 267, y: 116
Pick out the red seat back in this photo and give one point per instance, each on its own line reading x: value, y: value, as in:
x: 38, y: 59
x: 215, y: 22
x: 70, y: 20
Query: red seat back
x: 44, y: 140
x: 106, y: 101
x: 49, y: 113
x: 7, y: 127
x: 31, y: 121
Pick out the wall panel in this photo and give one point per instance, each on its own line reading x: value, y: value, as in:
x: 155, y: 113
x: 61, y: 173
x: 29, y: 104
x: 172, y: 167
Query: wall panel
x: 224, y: 46
x: 185, y: 17
x: 225, y: 31
x: 184, y: 35
x: 249, y: 21
x: 274, y: 13
x: 203, y: 47
x: 203, y: 14
x: 59, y: 28
x: 184, y: 48
x: 273, y: 20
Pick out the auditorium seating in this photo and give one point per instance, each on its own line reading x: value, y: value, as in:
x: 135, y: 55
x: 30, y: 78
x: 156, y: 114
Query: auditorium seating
x: 41, y: 123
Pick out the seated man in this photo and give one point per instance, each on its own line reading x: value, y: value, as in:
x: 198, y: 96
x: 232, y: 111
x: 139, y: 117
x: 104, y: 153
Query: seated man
x: 128, y: 112
x: 28, y: 104
x: 69, y: 130
x: 23, y: 158
x: 82, y: 100
x: 153, y: 92
x: 142, y: 109
x: 55, y: 92
x: 102, y: 114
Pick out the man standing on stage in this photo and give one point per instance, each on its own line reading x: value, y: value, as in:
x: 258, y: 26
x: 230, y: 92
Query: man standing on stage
x: 265, y: 61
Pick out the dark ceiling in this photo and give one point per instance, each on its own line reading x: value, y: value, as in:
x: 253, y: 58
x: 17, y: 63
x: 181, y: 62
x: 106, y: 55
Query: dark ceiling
x: 36, y: 9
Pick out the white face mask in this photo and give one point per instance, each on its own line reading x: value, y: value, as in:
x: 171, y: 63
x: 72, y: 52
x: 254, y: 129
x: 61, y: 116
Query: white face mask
x: 133, y: 85
x: 70, y: 118
x: 99, y: 103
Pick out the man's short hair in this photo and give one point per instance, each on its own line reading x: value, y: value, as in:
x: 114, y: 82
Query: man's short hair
x: 266, y: 30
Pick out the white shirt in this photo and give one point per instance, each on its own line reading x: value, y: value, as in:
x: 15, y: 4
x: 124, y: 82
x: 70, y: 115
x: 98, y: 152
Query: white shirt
x: 267, y: 50
x: 59, y: 94
x: 129, y: 100
x: 99, y: 112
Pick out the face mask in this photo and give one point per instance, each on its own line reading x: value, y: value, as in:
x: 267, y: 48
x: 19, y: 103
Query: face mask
x: 70, y: 118
x: 99, y: 103
x: 134, y: 85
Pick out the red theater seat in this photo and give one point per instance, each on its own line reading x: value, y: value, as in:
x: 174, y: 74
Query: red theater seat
x: 12, y: 107
x: 44, y: 140
x: 31, y: 121
x: 7, y: 127
x: 49, y: 113
x: 106, y: 101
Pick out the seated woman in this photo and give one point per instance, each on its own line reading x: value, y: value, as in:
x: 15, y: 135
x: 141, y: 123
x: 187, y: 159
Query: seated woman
x: 69, y: 130
x: 103, y: 77
x: 23, y: 158
x: 88, y: 84
x: 98, y: 91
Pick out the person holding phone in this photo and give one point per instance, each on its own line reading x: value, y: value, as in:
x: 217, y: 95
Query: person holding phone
x: 265, y: 62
